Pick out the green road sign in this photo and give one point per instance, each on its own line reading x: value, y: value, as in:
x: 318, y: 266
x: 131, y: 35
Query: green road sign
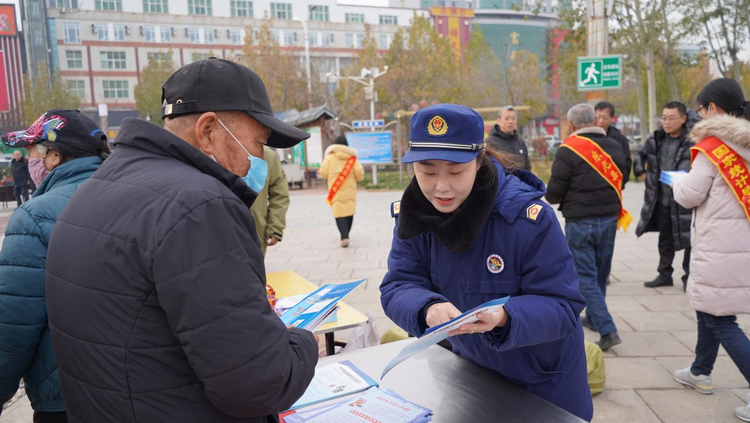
x: 599, y: 73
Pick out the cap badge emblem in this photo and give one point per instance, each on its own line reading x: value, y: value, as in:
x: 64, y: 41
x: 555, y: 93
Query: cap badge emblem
x: 437, y: 126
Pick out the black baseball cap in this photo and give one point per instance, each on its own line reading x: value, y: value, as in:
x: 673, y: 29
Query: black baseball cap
x: 69, y: 131
x: 215, y: 85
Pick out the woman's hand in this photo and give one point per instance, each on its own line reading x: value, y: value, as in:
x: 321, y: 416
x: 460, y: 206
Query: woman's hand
x: 440, y: 313
x: 486, y: 323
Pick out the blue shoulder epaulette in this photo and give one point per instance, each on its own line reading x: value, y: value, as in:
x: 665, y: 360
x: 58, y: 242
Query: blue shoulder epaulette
x: 533, y: 212
x: 395, y: 208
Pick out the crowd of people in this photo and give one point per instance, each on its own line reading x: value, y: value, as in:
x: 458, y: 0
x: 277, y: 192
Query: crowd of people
x: 132, y: 283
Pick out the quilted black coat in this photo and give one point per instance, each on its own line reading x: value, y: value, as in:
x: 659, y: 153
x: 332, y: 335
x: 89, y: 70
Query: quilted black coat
x: 156, y: 294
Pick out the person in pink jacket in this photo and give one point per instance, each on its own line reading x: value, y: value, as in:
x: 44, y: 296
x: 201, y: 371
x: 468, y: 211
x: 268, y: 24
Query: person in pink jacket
x: 716, y: 189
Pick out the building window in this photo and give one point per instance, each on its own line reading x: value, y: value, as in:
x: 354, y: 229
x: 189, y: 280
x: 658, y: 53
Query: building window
x: 194, y: 34
x: 72, y: 33
x: 288, y: 38
x: 313, y: 38
x: 199, y: 7
x: 67, y: 4
x: 159, y: 56
x: 166, y: 34
x: 201, y: 35
x: 384, y: 41
x: 113, y: 59
x: 77, y: 88
x: 115, y: 89
x: 75, y: 59
x: 200, y: 56
x: 208, y: 36
x: 102, y: 31
x: 388, y: 20
x: 319, y: 13
x: 118, y: 32
x: 355, y: 18
x: 281, y: 10
x: 276, y: 36
x: 156, y: 34
x: 156, y: 6
x: 349, y: 40
x: 326, y: 39
x: 242, y: 9
x: 360, y: 40
x: 236, y: 36
x: 108, y: 5
x: 149, y: 32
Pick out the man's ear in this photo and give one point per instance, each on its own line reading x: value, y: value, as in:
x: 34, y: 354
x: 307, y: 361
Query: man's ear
x: 206, y: 123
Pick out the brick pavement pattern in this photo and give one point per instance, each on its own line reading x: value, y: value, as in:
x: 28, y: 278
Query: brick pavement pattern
x: 657, y: 326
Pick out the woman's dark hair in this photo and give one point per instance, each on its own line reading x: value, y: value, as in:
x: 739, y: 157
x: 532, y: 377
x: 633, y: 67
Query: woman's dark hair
x: 727, y: 94
x: 510, y: 162
x: 341, y: 140
x: 68, y: 153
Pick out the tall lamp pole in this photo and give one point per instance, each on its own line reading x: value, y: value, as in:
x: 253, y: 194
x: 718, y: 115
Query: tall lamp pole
x: 307, y: 60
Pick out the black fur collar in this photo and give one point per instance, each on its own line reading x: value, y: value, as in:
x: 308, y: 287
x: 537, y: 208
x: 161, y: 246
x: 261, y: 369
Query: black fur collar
x: 456, y: 231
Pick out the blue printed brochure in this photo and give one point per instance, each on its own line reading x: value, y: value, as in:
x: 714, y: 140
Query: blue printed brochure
x: 334, y: 381
x: 316, y: 308
x: 436, y: 334
x: 670, y: 178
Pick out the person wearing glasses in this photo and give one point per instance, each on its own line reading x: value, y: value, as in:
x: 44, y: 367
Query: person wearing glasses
x: 668, y: 148
x: 65, y: 149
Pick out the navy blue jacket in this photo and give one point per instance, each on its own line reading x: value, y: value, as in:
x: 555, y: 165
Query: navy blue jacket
x: 25, y: 343
x: 541, y: 348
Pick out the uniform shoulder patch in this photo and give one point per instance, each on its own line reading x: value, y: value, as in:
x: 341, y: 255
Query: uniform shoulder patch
x: 533, y: 212
x: 395, y: 208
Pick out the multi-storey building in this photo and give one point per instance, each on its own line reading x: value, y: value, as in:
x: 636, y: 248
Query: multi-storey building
x: 101, y: 46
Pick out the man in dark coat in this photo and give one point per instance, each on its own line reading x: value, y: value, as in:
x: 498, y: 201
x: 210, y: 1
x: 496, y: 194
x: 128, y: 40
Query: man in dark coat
x: 591, y: 207
x: 155, y: 278
x: 668, y: 148
x: 605, y: 112
x: 504, y: 137
x: 19, y: 167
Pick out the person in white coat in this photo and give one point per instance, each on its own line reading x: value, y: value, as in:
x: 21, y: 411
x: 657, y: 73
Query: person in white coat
x: 719, y: 285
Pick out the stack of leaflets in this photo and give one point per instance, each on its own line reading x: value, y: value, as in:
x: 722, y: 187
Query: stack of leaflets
x: 313, y: 311
x: 334, y: 381
x: 670, y: 178
x: 374, y: 405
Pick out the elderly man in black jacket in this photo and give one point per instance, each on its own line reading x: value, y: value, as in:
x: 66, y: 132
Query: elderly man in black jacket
x: 19, y: 167
x: 504, y: 137
x: 155, y: 278
x: 605, y: 113
x: 591, y: 207
x: 667, y: 149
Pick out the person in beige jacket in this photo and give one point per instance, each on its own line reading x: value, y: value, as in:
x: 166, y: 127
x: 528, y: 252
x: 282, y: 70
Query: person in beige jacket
x: 270, y: 207
x: 719, y: 284
x: 344, y: 202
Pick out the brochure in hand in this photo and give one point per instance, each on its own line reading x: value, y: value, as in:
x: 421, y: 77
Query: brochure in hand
x: 670, y: 178
x: 334, y: 381
x: 374, y: 405
x: 316, y: 308
x: 436, y: 334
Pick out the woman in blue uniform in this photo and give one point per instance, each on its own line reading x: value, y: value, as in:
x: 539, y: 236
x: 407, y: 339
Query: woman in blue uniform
x: 468, y: 231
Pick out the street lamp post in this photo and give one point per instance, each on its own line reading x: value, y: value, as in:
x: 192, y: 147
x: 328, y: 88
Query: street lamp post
x: 307, y: 60
x: 367, y: 78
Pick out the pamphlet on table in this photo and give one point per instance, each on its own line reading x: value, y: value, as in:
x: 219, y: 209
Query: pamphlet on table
x: 334, y: 381
x: 437, y: 333
x: 373, y: 405
x: 317, y: 308
x: 669, y: 177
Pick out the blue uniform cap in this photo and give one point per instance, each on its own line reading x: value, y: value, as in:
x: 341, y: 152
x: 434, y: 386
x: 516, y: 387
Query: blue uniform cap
x: 445, y: 132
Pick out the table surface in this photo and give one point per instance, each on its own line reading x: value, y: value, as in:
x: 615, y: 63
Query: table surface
x: 455, y: 389
x: 289, y: 284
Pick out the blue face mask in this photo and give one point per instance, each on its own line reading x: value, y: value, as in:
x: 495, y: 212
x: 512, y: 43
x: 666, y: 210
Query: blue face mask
x: 256, y: 176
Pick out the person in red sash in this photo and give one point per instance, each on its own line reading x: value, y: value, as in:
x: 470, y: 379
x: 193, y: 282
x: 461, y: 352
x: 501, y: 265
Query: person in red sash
x: 587, y: 180
x: 718, y: 190
x: 343, y: 171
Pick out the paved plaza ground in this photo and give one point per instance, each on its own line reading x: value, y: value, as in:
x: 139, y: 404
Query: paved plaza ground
x: 657, y: 326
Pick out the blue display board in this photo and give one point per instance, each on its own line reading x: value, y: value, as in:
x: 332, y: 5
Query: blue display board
x: 373, y: 147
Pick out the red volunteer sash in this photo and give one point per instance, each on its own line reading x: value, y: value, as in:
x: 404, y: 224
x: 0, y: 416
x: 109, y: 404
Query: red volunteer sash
x: 348, y: 166
x: 602, y: 162
x: 731, y: 166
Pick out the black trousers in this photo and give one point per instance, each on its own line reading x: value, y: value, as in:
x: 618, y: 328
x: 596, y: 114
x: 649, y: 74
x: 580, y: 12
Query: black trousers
x: 666, y: 246
x: 48, y: 417
x: 21, y: 191
x: 345, y: 225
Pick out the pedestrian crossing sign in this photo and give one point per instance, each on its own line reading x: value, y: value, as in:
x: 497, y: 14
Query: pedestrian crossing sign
x: 599, y: 73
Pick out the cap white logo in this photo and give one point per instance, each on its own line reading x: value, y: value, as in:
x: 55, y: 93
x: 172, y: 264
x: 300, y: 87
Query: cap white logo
x: 495, y: 264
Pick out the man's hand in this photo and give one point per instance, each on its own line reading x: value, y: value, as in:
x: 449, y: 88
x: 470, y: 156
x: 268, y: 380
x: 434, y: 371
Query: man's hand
x: 271, y: 240
x: 642, y: 177
x: 486, y: 323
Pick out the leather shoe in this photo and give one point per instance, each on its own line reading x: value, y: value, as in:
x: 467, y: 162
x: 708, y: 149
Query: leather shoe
x: 658, y: 282
x: 609, y: 340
